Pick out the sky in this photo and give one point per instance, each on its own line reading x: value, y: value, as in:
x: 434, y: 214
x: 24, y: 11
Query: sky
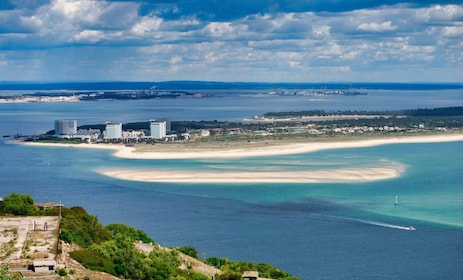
x: 231, y: 40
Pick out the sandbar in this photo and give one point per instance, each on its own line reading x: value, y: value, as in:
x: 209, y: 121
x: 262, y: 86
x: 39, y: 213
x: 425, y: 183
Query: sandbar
x: 349, y: 175
x: 256, y: 149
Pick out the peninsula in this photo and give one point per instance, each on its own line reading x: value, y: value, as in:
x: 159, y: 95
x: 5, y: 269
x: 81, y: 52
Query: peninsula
x: 285, y: 133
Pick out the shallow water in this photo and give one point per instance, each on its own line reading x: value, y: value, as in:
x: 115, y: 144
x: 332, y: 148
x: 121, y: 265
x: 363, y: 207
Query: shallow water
x: 321, y: 231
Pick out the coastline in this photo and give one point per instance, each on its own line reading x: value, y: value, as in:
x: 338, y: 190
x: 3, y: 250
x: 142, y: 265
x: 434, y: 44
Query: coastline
x: 203, y: 151
x: 242, y: 150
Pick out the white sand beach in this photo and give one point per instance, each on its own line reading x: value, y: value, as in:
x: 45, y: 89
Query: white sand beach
x: 318, y: 176
x: 167, y: 151
x: 235, y: 150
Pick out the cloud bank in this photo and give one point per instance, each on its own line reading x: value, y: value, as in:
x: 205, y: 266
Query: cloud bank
x: 271, y: 41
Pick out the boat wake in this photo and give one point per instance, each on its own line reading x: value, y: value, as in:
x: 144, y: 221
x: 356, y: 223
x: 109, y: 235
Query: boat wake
x: 379, y: 224
x: 386, y: 225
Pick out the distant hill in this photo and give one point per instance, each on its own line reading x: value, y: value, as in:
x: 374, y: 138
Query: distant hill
x: 214, y: 85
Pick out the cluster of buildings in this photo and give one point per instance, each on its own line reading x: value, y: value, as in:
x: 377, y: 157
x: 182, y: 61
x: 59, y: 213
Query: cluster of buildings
x: 158, y: 130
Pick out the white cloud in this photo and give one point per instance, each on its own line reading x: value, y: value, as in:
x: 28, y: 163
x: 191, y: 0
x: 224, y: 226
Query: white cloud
x: 377, y: 27
x: 440, y: 13
x: 224, y: 30
x: 146, y: 26
x: 350, y: 55
x: 321, y: 31
x: 281, y: 45
x: 452, y: 31
x: 175, y: 59
x: 83, y: 11
x: 89, y: 36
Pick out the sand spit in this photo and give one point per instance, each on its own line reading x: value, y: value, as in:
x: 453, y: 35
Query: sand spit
x: 257, y: 149
x: 241, y: 150
x: 317, y: 176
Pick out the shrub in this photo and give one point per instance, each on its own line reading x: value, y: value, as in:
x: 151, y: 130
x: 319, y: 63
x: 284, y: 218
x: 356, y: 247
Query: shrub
x: 188, y: 250
x: 93, y: 260
x: 62, y: 272
x: 129, y: 232
x: 18, y: 204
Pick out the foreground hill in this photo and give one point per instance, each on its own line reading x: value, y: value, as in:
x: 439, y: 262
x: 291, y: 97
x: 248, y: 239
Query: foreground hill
x: 79, y: 247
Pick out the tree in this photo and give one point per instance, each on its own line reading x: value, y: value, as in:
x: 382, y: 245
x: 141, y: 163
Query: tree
x: 18, y: 204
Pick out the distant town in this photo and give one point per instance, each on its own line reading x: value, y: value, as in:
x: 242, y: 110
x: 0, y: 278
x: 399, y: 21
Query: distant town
x: 114, y: 132
x: 268, y: 126
x: 152, y: 93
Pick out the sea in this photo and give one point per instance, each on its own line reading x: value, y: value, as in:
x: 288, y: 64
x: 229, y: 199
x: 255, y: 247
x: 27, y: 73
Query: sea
x: 312, y: 230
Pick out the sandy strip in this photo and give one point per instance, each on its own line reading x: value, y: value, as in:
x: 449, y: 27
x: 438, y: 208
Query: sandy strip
x: 318, y: 176
x: 262, y: 150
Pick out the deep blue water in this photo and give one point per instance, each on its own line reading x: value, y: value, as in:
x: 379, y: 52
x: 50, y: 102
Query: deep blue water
x: 315, y: 231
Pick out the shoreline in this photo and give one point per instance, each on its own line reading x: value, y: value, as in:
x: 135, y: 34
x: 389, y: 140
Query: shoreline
x: 243, y: 150
x: 340, y: 175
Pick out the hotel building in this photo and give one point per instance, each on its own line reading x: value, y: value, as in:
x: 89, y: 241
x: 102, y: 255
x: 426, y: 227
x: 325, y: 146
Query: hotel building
x: 157, y: 129
x: 65, y: 127
x: 114, y: 130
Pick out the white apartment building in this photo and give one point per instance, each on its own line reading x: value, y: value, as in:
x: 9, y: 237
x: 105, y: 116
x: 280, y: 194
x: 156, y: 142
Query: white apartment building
x: 157, y: 129
x: 114, y: 130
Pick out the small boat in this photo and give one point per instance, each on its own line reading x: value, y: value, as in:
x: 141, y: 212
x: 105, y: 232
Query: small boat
x: 396, y: 200
x: 411, y: 228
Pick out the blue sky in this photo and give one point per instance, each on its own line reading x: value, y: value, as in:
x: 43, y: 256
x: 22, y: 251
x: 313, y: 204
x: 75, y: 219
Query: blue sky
x: 225, y: 40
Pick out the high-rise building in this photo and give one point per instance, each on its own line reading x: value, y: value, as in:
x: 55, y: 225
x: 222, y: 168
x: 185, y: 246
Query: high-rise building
x: 168, y: 124
x: 158, y: 129
x: 114, y: 130
x: 65, y: 127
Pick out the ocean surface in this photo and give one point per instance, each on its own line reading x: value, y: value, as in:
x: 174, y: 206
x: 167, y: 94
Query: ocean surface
x: 314, y: 231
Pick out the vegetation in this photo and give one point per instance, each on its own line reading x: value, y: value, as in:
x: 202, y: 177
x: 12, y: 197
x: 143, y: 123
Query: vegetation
x: 233, y: 270
x: 129, y: 232
x: 5, y: 274
x: 314, y: 124
x: 451, y: 117
x: 18, y: 204
x: 111, y: 249
x: 437, y: 112
x: 81, y: 228
x: 188, y: 250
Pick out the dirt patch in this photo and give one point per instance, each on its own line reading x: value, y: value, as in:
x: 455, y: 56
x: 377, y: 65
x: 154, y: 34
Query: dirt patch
x: 28, y: 238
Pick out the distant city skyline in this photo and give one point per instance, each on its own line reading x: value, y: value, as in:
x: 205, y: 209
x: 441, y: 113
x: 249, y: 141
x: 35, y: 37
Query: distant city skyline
x: 231, y: 40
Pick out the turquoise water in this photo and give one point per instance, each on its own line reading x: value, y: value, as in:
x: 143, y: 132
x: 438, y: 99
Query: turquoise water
x: 428, y: 189
x: 322, y: 230
x: 315, y: 231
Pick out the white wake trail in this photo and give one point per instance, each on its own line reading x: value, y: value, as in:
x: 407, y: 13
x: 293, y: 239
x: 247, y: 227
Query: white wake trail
x: 374, y: 223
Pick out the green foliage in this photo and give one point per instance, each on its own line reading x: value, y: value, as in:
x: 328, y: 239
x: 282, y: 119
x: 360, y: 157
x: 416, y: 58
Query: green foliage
x: 111, y: 249
x: 93, y: 260
x: 79, y: 227
x: 5, y: 274
x: 188, y: 250
x: 129, y: 232
x: 18, y: 204
x: 62, y: 272
x: 234, y: 270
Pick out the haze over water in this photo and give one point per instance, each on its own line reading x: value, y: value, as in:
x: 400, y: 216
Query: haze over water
x: 315, y: 231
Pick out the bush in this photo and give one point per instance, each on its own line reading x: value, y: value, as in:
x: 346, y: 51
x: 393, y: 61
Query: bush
x: 81, y: 228
x: 129, y: 232
x: 18, y: 204
x: 93, y: 260
x: 188, y: 250
x: 62, y: 272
